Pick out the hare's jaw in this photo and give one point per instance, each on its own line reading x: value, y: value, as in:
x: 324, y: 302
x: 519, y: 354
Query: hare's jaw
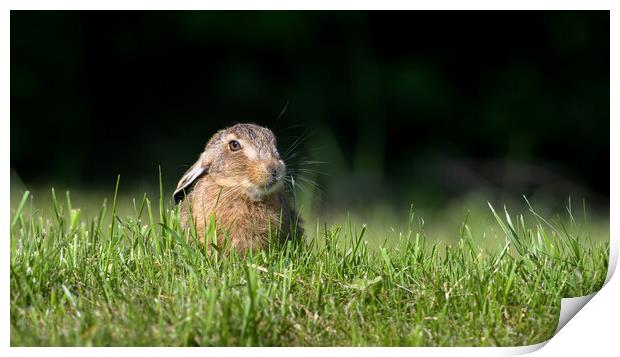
x: 258, y: 193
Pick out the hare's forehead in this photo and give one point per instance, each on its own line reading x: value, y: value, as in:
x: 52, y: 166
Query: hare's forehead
x: 254, y: 133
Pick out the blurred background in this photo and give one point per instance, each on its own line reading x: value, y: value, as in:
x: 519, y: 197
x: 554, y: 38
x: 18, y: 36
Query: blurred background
x: 374, y: 111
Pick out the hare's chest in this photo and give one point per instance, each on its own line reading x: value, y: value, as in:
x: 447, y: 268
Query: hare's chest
x: 248, y: 219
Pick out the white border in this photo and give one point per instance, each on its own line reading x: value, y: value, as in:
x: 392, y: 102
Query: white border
x: 593, y: 329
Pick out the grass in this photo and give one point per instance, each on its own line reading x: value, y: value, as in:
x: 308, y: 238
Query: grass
x: 138, y: 280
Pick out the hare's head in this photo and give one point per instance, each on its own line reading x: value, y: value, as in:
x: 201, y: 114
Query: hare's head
x: 243, y: 157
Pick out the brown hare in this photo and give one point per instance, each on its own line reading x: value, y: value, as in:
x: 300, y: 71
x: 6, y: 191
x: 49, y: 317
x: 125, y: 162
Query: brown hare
x: 239, y: 181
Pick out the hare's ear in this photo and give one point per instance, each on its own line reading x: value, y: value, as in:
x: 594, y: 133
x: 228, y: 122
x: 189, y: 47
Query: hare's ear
x: 188, y: 180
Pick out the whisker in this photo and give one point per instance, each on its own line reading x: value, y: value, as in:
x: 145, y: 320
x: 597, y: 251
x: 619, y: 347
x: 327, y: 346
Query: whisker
x: 311, y: 162
x: 311, y: 184
x: 284, y: 109
x: 294, y: 145
x: 298, y: 142
x: 311, y: 171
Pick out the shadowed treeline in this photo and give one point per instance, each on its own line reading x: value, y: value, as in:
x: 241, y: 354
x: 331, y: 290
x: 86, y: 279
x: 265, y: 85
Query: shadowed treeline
x: 399, y: 105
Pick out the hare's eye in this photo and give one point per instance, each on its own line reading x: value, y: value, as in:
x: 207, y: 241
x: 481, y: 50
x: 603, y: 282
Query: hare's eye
x: 234, y: 145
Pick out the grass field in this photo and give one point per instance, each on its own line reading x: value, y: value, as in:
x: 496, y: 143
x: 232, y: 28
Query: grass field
x: 138, y: 280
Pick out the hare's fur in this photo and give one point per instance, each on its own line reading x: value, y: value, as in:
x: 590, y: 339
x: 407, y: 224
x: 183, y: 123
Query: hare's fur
x: 242, y: 191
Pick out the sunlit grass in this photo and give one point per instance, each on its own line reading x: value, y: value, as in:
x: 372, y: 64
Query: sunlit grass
x: 138, y: 279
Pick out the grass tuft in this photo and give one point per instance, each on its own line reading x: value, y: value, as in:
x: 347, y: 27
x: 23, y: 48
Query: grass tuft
x: 147, y: 282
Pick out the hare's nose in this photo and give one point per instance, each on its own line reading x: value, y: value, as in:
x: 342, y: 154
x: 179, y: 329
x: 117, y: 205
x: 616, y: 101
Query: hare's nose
x: 273, y: 171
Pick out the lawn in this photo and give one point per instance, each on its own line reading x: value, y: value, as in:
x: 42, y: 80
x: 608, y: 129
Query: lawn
x: 139, y: 280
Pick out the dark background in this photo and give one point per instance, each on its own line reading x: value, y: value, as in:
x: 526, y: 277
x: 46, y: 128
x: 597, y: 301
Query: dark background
x: 399, y: 105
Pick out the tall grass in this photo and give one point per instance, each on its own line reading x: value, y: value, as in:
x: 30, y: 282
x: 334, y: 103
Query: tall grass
x: 140, y: 280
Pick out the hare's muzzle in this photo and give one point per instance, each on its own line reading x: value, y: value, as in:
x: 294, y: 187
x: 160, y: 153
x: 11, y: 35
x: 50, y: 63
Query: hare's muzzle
x: 273, y: 172
x: 267, y: 178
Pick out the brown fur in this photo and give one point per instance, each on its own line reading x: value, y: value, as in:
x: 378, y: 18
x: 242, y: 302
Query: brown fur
x: 242, y: 190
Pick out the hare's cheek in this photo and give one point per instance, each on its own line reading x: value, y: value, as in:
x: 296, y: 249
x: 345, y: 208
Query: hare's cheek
x: 257, y: 175
x: 227, y: 181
